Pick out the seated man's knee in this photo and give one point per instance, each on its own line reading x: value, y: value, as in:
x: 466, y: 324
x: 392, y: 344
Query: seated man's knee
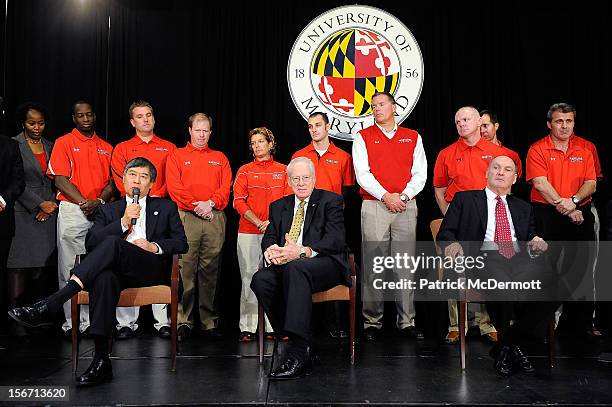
x: 112, y: 240
x: 257, y: 282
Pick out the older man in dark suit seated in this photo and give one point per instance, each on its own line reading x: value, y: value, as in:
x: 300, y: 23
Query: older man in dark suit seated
x: 494, y: 222
x: 130, y: 245
x: 305, y: 252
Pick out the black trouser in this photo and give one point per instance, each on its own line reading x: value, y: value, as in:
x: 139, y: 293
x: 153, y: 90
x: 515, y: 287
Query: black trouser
x: 528, y: 308
x: 5, y: 246
x: 576, y: 267
x: 285, y: 292
x: 113, y: 265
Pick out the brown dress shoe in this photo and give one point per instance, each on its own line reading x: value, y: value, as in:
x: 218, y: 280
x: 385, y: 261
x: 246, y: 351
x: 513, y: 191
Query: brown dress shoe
x: 452, y: 337
x: 491, y: 337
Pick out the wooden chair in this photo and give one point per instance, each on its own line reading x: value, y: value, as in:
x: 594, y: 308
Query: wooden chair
x: 466, y: 296
x: 135, y: 297
x: 337, y: 293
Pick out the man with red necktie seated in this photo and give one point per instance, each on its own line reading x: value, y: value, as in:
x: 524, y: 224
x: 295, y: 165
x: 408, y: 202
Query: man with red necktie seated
x: 492, y: 223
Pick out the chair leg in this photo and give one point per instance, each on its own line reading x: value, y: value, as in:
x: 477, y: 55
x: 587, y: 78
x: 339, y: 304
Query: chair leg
x: 173, y: 334
x: 260, y: 329
x: 277, y: 337
x: 462, y: 310
x: 551, y: 342
x: 74, y: 317
x: 352, y: 305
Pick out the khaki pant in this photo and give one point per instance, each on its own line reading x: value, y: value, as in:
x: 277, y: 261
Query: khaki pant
x: 482, y: 318
x: 72, y: 227
x: 378, y: 224
x: 200, y: 267
x: 248, y: 249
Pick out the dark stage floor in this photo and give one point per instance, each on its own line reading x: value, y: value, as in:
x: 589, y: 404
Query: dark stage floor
x: 386, y: 372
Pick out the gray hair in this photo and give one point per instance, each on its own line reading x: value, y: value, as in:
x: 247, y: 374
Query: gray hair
x: 300, y: 160
x: 140, y: 162
x: 560, y: 107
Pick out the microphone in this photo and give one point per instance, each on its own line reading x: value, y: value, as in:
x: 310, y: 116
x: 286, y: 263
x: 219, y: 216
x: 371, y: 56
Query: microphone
x: 135, y: 197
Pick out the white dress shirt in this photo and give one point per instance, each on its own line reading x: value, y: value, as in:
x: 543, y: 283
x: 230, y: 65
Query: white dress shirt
x: 139, y: 230
x: 370, y: 184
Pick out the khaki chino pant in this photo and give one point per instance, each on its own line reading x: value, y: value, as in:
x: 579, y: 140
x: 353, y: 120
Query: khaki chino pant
x: 200, y: 267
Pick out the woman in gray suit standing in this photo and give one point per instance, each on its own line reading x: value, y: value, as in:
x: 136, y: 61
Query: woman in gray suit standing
x: 33, y: 247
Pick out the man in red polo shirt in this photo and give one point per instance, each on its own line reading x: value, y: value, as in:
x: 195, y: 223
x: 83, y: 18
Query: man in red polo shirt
x: 391, y: 168
x: 462, y: 166
x: 488, y: 129
x: 333, y: 166
x: 80, y: 167
x: 334, y: 170
x: 147, y: 144
x: 563, y: 178
x: 199, y: 181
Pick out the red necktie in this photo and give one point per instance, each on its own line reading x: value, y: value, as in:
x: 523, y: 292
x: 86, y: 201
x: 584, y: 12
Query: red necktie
x: 503, y: 234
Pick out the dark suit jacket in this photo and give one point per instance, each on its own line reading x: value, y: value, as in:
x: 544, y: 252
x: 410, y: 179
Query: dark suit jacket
x: 323, y: 226
x: 12, y: 183
x: 163, y: 227
x: 466, y: 219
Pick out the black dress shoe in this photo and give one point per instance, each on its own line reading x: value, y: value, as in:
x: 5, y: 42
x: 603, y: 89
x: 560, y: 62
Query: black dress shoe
x: 33, y: 316
x: 184, y: 333
x: 521, y: 361
x: 338, y: 333
x: 125, y: 333
x: 164, y: 332
x: 503, y: 362
x: 428, y: 348
x: 412, y: 332
x: 293, y: 368
x: 212, y: 333
x: 371, y: 334
x: 100, y: 371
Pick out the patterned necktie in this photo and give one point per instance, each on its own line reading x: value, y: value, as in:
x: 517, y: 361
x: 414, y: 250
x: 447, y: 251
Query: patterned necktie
x: 296, y: 225
x: 503, y: 234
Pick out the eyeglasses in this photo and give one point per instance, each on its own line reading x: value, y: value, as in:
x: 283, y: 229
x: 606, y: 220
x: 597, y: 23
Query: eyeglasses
x: 305, y: 179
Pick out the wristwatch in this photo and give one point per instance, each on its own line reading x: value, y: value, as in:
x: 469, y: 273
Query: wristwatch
x: 575, y: 200
x: 404, y: 198
x: 302, y: 252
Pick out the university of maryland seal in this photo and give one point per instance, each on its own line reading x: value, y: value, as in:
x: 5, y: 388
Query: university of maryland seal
x: 347, y: 54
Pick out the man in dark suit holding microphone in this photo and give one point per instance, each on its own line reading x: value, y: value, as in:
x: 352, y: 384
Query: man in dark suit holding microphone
x: 131, y: 244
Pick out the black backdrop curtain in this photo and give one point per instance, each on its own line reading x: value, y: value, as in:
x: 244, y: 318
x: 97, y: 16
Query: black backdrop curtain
x: 229, y: 60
